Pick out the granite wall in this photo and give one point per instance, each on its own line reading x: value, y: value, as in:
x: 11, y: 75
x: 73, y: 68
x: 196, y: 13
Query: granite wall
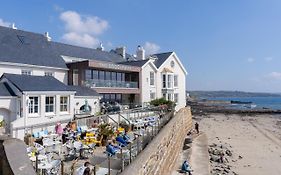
x: 160, y: 156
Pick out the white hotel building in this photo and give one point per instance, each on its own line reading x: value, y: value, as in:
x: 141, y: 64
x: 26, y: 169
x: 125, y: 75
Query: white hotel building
x: 43, y: 82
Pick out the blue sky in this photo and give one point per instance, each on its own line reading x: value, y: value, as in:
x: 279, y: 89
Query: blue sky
x: 224, y: 45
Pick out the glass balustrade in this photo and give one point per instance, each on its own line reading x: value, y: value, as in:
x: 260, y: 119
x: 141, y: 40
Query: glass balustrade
x: 110, y: 83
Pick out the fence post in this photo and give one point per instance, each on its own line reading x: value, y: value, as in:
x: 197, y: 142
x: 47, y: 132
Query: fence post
x: 108, y: 156
x: 36, y: 162
x: 138, y: 146
x: 62, y: 168
x: 95, y: 170
x: 130, y: 147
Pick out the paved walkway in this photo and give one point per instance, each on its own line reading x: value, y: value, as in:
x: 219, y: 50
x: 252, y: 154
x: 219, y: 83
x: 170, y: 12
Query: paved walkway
x: 199, y: 158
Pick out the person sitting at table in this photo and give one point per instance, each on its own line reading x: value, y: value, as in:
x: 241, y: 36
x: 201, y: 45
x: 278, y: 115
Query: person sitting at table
x: 95, y: 124
x: 127, y: 138
x: 81, y: 170
x: 121, y: 140
x: 87, y: 171
x: 110, y: 148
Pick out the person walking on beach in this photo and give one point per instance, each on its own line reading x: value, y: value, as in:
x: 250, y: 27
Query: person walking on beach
x: 197, y: 127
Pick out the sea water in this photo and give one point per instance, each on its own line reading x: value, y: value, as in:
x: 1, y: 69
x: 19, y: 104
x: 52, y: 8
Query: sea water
x: 257, y: 102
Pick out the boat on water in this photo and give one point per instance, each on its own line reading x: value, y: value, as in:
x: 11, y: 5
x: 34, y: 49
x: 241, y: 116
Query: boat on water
x: 240, y: 102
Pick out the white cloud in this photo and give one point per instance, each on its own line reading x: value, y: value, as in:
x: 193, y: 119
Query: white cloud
x: 250, y: 60
x: 82, y: 30
x: 151, y: 48
x: 58, y: 8
x: 85, y: 40
x: 268, y: 59
x: 74, y: 22
x: 274, y: 75
x: 4, y: 23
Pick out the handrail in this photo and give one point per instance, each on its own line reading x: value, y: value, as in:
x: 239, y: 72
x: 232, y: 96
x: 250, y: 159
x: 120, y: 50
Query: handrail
x: 112, y: 119
x: 125, y: 118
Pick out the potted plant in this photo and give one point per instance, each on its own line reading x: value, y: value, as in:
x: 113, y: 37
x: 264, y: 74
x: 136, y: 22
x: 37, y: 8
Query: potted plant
x: 105, y: 132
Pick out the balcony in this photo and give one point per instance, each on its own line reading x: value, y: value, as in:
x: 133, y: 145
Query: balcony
x: 110, y: 84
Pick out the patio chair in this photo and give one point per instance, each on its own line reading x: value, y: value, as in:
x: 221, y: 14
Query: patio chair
x: 40, y: 149
x: 98, y: 142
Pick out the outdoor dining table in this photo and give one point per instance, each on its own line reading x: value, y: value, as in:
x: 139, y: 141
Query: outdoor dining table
x: 44, y: 167
x: 104, y: 171
x: 40, y: 157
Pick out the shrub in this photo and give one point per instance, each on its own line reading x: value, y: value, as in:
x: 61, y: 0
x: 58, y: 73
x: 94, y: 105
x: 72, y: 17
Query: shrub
x: 163, y: 102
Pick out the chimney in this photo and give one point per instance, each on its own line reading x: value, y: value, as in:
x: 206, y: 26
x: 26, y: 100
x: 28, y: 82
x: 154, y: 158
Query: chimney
x: 140, y: 53
x: 121, y: 51
x: 47, y: 36
x: 14, y: 26
x: 101, y: 48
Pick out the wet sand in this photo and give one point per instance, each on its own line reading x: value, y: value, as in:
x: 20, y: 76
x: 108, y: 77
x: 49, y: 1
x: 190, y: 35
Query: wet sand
x: 256, y: 139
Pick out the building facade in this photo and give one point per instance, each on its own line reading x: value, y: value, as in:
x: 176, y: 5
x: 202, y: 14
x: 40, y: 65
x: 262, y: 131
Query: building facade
x: 44, y: 82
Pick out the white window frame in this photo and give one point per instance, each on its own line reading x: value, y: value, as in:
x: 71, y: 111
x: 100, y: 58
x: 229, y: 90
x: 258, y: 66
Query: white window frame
x: 32, y: 106
x: 164, y: 81
x: 49, y: 74
x: 152, y: 95
x: 64, y: 104
x: 48, y: 105
x: 176, y: 81
x: 26, y: 72
x: 169, y: 96
x: 152, y: 78
x: 176, y: 98
x: 169, y: 82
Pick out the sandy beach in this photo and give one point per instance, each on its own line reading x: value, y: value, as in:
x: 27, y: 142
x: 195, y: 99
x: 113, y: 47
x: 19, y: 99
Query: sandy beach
x: 255, y: 141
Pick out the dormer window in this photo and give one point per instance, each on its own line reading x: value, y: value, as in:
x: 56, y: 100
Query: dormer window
x: 26, y: 72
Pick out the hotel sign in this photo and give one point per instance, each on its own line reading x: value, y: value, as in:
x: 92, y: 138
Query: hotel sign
x: 112, y: 66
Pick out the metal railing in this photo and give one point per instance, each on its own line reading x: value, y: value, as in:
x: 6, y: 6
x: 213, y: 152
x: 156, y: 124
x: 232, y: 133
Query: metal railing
x: 111, y: 83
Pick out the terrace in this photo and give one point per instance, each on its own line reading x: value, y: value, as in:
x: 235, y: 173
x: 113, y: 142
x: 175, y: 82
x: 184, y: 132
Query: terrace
x: 87, y: 136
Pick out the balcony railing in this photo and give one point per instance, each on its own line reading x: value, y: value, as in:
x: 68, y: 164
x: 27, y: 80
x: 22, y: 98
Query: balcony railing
x: 110, y: 83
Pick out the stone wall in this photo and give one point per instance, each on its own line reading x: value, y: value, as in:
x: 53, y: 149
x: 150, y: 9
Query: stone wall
x: 159, y: 157
x: 13, y: 157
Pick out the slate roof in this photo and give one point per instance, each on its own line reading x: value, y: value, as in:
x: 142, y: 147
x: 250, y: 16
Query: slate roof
x: 36, y: 83
x: 138, y: 63
x: 19, y: 46
x: 83, y: 52
x: 5, y: 90
x: 84, y: 91
x: 161, y: 58
x: 128, y: 57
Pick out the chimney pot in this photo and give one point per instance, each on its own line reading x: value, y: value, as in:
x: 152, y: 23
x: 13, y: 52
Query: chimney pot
x: 14, y: 26
x: 121, y: 51
x: 140, y: 53
x: 47, y: 36
x: 101, y: 47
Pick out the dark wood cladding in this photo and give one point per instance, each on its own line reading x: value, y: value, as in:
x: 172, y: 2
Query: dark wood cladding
x: 117, y: 90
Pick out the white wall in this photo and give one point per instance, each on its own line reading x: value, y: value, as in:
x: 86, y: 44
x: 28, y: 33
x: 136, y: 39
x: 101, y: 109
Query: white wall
x: 59, y: 74
x: 94, y: 102
x: 146, y: 88
x: 177, y: 70
x: 31, y: 120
